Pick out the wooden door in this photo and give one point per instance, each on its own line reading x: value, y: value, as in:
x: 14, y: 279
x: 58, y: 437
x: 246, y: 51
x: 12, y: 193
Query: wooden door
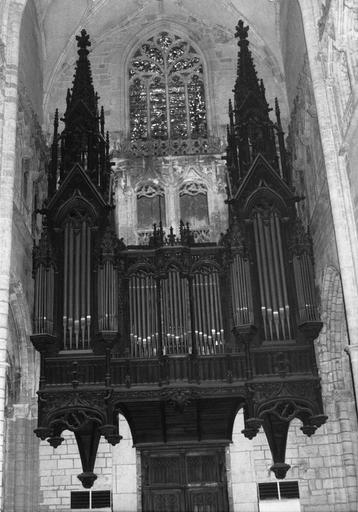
x: 184, y: 480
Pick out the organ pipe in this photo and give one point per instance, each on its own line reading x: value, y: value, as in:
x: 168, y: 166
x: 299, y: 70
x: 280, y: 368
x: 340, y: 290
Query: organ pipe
x: 207, y: 313
x: 275, y: 307
x: 241, y: 291
x: 183, y: 305
x: 44, y: 274
x: 143, y: 315
x: 44, y: 299
x: 304, y: 280
x: 76, y: 319
x: 174, y: 291
x: 107, y: 298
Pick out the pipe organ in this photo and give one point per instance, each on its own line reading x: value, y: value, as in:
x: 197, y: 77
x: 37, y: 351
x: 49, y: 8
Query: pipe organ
x: 241, y: 292
x: 108, y: 284
x: 275, y: 305
x: 143, y: 310
x: 175, y: 314
x: 44, y: 269
x: 208, y: 324
x: 77, y: 275
x: 176, y: 335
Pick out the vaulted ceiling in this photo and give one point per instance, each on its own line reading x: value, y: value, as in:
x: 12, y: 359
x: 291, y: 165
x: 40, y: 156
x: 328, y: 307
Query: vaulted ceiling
x: 112, y: 24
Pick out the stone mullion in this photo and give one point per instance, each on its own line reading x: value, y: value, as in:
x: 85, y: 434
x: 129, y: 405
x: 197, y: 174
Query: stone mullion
x: 171, y: 205
x: 338, y: 185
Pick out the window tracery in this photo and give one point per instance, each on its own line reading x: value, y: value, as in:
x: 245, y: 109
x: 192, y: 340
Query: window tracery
x: 193, y: 200
x: 150, y: 205
x: 166, y: 92
x: 193, y: 203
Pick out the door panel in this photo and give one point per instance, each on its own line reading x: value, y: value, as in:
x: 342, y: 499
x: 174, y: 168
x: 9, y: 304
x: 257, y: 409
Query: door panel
x: 171, y: 500
x: 184, y: 479
x: 205, y: 500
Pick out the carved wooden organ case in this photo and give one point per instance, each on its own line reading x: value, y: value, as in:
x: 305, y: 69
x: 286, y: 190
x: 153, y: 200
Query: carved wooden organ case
x: 174, y: 335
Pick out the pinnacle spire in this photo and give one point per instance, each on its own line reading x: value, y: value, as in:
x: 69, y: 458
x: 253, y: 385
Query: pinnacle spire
x: 83, y: 139
x: 246, y: 80
x: 251, y: 131
x: 82, y: 89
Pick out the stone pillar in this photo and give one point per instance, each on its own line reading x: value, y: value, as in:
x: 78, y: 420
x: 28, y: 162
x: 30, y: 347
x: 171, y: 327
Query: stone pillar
x: 125, y: 477
x: 8, y: 112
x: 22, y: 453
x: 337, y: 179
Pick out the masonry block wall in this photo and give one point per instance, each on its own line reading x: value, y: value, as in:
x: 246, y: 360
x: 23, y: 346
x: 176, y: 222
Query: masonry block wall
x: 59, y: 469
x: 117, y: 469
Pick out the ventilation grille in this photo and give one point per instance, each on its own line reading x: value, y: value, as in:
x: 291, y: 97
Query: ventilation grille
x: 289, y: 490
x: 80, y: 499
x: 101, y: 499
x: 278, y: 490
x: 268, y: 491
x: 90, y: 500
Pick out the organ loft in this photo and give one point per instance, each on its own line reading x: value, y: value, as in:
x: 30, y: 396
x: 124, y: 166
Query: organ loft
x: 176, y: 332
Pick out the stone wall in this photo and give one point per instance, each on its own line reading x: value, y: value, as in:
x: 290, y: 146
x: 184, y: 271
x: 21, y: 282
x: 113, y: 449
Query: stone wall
x: 116, y: 467
x: 59, y: 469
x: 170, y: 174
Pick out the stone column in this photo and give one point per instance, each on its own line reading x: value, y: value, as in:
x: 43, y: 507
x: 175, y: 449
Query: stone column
x: 8, y: 112
x: 337, y: 179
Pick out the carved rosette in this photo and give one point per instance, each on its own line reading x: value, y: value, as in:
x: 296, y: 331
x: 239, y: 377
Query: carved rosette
x: 178, y: 398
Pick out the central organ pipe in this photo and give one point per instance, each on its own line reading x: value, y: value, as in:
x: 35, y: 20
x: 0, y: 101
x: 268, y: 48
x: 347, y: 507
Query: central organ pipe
x: 207, y: 312
x: 172, y: 309
x: 77, y: 283
x: 143, y: 315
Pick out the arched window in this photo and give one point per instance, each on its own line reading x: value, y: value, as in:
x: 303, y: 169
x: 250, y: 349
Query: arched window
x: 166, y: 92
x: 194, y: 204
x: 150, y: 206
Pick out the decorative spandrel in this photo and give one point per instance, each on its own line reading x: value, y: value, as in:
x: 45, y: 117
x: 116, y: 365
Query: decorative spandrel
x: 166, y: 93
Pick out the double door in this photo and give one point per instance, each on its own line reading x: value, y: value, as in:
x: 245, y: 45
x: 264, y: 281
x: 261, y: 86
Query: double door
x: 190, y: 479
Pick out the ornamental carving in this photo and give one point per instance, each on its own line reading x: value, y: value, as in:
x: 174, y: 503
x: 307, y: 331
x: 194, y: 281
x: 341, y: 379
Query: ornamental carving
x: 179, y: 398
x: 300, y: 240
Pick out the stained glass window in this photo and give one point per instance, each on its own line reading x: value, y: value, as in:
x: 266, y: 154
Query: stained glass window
x: 166, y: 90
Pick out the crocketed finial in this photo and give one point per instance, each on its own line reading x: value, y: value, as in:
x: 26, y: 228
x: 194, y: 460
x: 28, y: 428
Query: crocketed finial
x: 83, y: 42
x: 241, y: 33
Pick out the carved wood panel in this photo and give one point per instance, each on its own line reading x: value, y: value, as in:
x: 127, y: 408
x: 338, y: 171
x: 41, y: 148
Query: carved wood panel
x: 184, y: 480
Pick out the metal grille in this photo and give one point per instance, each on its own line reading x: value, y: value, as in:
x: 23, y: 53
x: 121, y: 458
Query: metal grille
x: 80, y: 499
x: 101, y: 499
x: 268, y: 491
x: 289, y: 490
x: 90, y: 500
x: 278, y: 490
